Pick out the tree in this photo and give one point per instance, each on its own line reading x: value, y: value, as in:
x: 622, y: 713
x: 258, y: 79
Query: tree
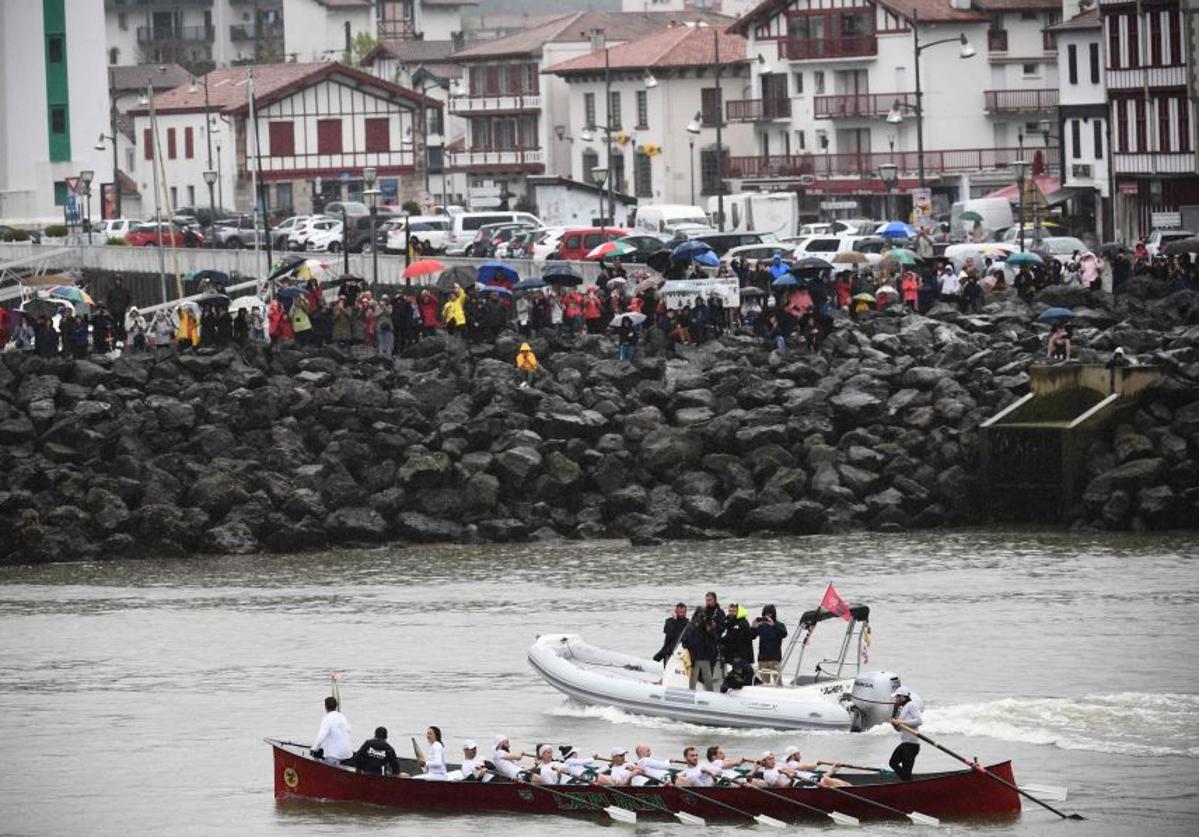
x: 361, y: 47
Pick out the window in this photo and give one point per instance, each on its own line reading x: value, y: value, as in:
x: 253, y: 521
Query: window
x: 818, y: 82
x: 54, y: 49
x: 147, y: 144
x: 328, y: 136
x: 171, y: 143
x: 1155, y: 38
x: 1097, y: 129
x: 1175, y: 46
x: 590, y: 161
x: 1121, y: 108
x: 709, y: 100
x: 710, y: 181
x: 114, y: 56
x: 282, y: 138
x: 174, y: 198
x: 1113, y: 42
x: 1164, y: 142
x: 1076, y: 137
x: 283, y: 195
x: 378, y: 135
x: 589, y: 109
x: 60, y: 193
x: 643, y: 177
x: 1094, y: 63
x: 191, y: 195
x: 189, y: 147
x: 1184, y: 125
x: 1134, y: 41
x: 798, y: 83
x: 642, y: 109
x: 1072, y: 62
x: 58, y: 120
x: 801, y: 141
x: 1031, y: 69
x: 122, y: 21
x: 616, y: 171
x: 614, y: 120
x: 1028, y: 15
x: 1141, y: 125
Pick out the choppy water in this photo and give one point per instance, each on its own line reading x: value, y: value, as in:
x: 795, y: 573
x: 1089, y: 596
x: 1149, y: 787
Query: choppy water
x: 134, y: 697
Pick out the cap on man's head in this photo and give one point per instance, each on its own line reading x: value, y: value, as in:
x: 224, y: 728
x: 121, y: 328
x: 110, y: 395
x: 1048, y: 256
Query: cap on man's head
x: 618, y: 751
x: 791, y: 751
x: 902, y: 691
x: 498, y: 740
x: 469, y: 745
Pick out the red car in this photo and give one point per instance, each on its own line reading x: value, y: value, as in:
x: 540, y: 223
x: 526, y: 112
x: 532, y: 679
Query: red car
x: 163, y: 235
x: 576, y: 243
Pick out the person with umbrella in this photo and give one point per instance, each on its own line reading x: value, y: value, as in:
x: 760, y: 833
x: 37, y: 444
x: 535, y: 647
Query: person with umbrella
x: 1060, y: 344
x: 627, y: 338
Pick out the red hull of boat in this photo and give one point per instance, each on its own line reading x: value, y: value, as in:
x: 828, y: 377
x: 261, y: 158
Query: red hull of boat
x: 962, y: 794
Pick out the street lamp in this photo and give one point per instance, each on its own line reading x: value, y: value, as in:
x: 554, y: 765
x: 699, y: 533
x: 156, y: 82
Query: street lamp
x: 116, y: 179
x: 86, y: 176
x: 599, y: 176
x: 692, y: 132
x: 1020, y: 166
x: 889, y: 172
x: 192, y: 88
x: 719, y: 126
x: 896, y: 114
x: 373, y: 196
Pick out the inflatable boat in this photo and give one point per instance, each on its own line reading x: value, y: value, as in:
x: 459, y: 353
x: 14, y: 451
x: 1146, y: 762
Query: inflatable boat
x: 835, y: 695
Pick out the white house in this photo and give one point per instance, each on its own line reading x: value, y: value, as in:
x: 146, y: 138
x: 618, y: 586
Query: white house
x: 318, y: 126
x: 199, y: 34
x: 834, y: 96
x: 514, y: 113
x: 316, y: 30
x: 657, y: 85
x: 734, y: 8
x: 53, y: 105
x: 1082, y: 115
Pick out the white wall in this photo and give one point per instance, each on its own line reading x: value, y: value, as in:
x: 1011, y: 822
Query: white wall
x: 438, y: 23
x: 1083, y: 92
x: 311, y: 31
x: 561, y: 205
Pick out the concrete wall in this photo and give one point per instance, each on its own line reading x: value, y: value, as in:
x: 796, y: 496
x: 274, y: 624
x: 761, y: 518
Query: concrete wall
x: 311, y: 31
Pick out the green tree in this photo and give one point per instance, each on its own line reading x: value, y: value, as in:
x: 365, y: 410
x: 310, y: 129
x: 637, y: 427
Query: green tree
x: 361, y: 47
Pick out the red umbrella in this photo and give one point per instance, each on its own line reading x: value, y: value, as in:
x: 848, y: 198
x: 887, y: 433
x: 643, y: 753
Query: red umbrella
x: 423, y: 268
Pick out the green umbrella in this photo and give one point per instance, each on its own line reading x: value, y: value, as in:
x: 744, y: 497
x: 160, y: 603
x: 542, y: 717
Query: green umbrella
x: 1025, y: 258
x: 905, y: 257
x: 971, y: 216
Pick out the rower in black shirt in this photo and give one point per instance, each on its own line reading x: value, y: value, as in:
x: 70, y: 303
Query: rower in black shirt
x: 673, y: 629
x: 375, y: 756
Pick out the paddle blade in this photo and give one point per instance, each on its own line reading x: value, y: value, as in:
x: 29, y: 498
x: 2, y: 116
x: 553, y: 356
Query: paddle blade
x: 621, y: 815
x: 844, y: 819
x: 762, y: 819
x: 689, y: 819
x: 923, y: 819
x: 1053, y: 793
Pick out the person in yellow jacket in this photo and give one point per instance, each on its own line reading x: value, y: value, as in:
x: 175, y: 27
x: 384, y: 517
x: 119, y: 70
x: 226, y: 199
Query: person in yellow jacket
x: 526, y: 362
x: 300, y: 322
x: 453, y: 313
x: 188, y: 333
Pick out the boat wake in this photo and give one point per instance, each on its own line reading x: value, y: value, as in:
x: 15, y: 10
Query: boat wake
x: 612, y: 715
x: 1128, y: 723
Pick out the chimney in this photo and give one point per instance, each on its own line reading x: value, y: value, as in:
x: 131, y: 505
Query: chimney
x: 598, y: 40
x: 961, y: 5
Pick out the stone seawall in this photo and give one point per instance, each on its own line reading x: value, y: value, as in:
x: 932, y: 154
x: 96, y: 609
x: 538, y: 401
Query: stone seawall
x: 247, y: 450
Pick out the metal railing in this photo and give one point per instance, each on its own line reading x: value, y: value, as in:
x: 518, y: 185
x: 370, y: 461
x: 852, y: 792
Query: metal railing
x: 865, y: 164
x: 498, y: 102
x: 808, y: 49
x: 859, y: 104
x: 1016, y: 101
x: 157, y: 34
x: 245, y: 31
x: 754, y: 110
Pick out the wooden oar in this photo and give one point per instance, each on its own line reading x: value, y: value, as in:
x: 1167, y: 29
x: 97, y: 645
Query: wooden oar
x: 761, y: 819
x: 835, y: 816
x: 857, y: 767
x: 617, y: 814
x: 681, y: 816
x: 976, y: 766
x: 914, y: 816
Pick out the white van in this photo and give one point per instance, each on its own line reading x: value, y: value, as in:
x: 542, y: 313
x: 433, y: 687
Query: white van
x: 431, y: 229
x: 666, y: 217
x: 996, y: 214
x: 466, y: 224
x: 762, y: 212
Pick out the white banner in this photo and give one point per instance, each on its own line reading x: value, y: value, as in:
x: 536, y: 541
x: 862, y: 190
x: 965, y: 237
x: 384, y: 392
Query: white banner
x: 682, y: 291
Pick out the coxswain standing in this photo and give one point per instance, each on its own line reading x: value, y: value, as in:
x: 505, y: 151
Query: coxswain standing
x: 673, y: 630
x: 907, y: 713
x: 332, y: 743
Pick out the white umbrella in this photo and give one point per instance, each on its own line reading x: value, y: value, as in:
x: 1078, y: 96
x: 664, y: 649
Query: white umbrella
x: 634, y: 318
x: 247, y: 302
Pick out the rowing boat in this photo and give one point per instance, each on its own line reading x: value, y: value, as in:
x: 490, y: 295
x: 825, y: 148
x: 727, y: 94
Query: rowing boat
x: 959, y: 794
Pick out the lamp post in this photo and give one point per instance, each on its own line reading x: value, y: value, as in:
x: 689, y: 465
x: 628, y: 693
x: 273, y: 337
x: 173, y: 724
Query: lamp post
x: 208, y: 141
x: 369, y: 176
x: 147, y: 99
x: 828, y: 172
x: 719, y: 136
x: 692, y: 132
x: 1019, y: 166
x: 896, y: 115
x: 1037, y: 230
x: 112, y: 126
x: 599, y: 175
x: 219, y: 186
x: 85, y: 177
x: 889, y: 172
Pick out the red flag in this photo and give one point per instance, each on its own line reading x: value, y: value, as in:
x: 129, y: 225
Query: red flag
x: 834, y: 604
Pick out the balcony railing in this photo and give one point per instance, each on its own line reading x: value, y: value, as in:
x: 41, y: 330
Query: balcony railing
x: 1019, y: 101
x: 866, y: 164
x: 1154, y: 162
x: 859, y: 104
x: 245, y: 31
x: 534, y: 158
x: 809, y: 49
x: 756, y: 110
x: 495, y: 104
x: 156, y: 34
x: 996, y: 40
x: 1139, y: 78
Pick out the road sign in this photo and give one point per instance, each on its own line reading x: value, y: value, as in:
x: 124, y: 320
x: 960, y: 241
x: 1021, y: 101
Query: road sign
x: 838, y: 204
x: 1165, y: 220
x: 73, y: 208
x: 345, y: 177
x: 73, y: 185
x: 485, y: 197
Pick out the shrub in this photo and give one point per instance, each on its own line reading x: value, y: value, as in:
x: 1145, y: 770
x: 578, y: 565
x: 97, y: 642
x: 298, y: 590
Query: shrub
x: 55, y: 231
x: 411, y: 207
x: 14, y: 235
x: 116, y: 242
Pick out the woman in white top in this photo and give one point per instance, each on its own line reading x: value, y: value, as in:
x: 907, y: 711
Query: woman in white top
x: 434, y: 760
x: 548, y: 772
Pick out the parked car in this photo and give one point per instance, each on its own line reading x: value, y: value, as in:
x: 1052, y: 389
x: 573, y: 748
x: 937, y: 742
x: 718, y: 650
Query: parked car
x: 757, y: 253
x: 721, y: 243
x: 646, y: 244
x: 521, y: 242
x: 491, y: 236
x: 237, y: 232
x: 334, y: 209
x: 8, y: 233
x: 466, y: 225
x: 281, y: 231
x: 325, y: 237
x: 164, y: 235
x: 577, y: 242
x: 430, y: 229
x: 1061, y: 247
x: 302, y: 230
x: 203, y: 216
x: 359, y: 237
x: 114, y: 227
x: 545, y: 242
x: 1158, y: 239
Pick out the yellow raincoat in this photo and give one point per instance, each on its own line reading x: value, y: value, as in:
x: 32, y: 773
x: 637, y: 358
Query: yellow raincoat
x: 189, y: 328
x: 454, y: 311
x: 526, y: 361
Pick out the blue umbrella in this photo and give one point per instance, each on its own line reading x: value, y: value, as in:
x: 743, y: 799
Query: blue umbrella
x: 1025, y: 258
x: 561, y: 274
x: 494, y: 289
x: 493, y: 272
x: 531, y: 284
x: 288, y: 296
x: 787, y: 281
x: 1056, y: 314
x: 707, y: 258
x: 897, y: 229
x: 689, y: 250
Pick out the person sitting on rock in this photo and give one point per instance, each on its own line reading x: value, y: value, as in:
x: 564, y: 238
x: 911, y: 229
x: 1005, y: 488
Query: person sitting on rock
x: 526, y: 362
x: 1059, y: 346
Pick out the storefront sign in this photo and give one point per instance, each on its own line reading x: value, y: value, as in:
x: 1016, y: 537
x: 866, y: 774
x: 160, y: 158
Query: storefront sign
x: 682, y: 291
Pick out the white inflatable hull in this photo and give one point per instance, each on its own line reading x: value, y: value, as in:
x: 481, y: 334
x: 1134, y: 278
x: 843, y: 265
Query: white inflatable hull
x: 634, y: 685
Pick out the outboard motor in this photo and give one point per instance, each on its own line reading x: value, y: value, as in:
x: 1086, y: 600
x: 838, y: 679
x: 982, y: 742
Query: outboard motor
x: 872, y: 699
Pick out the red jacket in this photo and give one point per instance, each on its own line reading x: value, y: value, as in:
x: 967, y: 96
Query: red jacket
x: 428, y: 312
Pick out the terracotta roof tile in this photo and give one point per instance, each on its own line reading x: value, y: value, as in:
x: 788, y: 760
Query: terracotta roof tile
x: 678, y: 46
x: 1087, y: 20
x: 136, y: 76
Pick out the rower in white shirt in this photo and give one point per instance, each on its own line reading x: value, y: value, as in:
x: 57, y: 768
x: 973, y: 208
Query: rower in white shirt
x: 695, y: 774
x: 769, y: 775
x: 548, y: 771
x: 579, y: 769
x: 507, y: 764
x: 332, y: 743
x: 621, y: 772
x: 434, y: 761
x: 653, y: 771
x: 472, y: 768
x: 721, y: 766
x: 806, y: 774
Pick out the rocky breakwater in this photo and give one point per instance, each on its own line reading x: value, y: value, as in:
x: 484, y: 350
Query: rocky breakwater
x: 242, y: 451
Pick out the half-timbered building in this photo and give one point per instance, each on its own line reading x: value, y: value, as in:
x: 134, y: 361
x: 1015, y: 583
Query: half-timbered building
x: 834, y: 95
x: 318, y: 127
